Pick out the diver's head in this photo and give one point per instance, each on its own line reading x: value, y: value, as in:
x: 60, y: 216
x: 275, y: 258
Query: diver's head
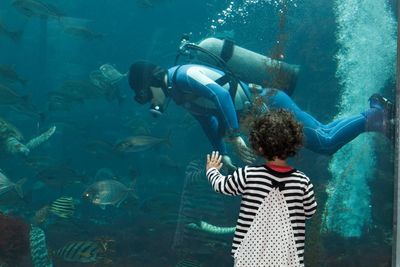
x: 144, y: 77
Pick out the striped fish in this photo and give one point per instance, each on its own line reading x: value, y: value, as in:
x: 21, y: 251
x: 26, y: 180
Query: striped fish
x: 187, y: 263
x: 81, y: 251
x: 63, y: 207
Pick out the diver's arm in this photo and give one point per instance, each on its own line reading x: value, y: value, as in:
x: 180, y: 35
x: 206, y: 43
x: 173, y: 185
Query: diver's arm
x: 214, y: 132
x: 204, y: 86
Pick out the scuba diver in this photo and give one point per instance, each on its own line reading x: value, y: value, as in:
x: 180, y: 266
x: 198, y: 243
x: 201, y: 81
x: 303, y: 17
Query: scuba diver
x: 217, y: 99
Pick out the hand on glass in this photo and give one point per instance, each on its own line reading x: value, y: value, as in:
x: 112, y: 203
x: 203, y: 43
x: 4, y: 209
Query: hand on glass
x: 214, y: 161
x: 245, y: 153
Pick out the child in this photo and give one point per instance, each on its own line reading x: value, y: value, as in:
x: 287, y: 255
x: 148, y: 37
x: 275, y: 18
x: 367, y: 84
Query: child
x: 276, y: 198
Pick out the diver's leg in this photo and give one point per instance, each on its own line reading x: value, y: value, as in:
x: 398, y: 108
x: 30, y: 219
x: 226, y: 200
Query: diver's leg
x: 325, y: 139
x: 36, y: 141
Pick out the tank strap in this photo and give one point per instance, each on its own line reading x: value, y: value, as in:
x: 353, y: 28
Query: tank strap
x: 178, y: 100
x: 223, y: 79
x: 227, y: 50
x: 173, y: 80
x: 233, y: 83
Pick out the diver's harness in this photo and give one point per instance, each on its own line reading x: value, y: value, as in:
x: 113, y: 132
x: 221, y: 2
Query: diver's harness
x: 227, y: 51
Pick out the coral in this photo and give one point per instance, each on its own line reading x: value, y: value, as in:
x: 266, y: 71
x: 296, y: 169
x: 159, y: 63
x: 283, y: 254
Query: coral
x: 14, y: 239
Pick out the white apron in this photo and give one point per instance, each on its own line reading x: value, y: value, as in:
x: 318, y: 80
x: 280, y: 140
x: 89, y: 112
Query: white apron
x: 269, y: 240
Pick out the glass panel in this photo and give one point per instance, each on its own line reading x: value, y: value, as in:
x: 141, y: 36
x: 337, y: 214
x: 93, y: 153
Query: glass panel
x: 104, y: 140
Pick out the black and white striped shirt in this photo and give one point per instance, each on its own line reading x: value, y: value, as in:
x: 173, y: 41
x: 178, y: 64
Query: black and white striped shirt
x: 254, y: 183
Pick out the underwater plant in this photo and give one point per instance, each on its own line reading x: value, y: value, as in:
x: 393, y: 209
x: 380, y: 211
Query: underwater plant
x: 14, y: 239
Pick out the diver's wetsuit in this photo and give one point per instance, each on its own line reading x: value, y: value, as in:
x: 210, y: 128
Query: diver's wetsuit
x: 194, y: 88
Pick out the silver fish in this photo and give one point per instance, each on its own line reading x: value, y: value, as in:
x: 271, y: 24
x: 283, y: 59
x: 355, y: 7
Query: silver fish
x: 8, y: 73
x: 13, y: 35
x: 82, y: 32
x: 188, y: 263
x: 139, y: 143
x: 9, y: 97
x: 37, y: 8
x: 7, y: 185
x: 107, y: 192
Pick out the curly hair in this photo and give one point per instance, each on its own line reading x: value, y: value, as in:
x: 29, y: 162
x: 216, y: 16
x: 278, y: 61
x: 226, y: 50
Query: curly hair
x: 277, y: 133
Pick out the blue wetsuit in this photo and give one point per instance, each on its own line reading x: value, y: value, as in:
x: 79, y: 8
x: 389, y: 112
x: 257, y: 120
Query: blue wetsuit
x: 194, y: 87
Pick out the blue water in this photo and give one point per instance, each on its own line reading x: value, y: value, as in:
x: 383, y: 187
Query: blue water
x: 353, y: 221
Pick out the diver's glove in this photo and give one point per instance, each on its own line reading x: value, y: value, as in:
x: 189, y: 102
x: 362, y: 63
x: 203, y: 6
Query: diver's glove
x: 240, y: 147
x: 226, y: 160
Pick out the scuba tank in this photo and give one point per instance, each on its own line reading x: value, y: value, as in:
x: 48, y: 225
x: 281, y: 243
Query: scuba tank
x: 245, y: 65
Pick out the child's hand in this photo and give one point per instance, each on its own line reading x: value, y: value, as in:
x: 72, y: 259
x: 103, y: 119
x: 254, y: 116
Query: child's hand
x: 214, y: 161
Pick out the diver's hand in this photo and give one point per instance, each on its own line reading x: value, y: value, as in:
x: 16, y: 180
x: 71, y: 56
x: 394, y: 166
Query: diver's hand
x: 214, y: 161
x: 228, y: 163
x: 245, y: 153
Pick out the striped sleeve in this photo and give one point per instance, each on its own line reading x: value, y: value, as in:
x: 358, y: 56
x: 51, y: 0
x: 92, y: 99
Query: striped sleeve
x: 228, y: 185
x: 309, y: 203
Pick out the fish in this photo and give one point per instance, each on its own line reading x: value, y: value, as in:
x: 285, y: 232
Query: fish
x: 82, y: 32
x: 104, y: 174
x: 77, y: 91
x: 30, y: 111
x: 58, y: 97
x: 99, y: 148
x: 111, y: 73
x: 9, y: 130
x: 39, y: 162
x: 63, y: 207
x: 167, y: 202
x: 83, y: 251
x: 107, y: 192
x: 166, y: 162
x: 188, y: 263
x: 149, y: 3
x: 7, y: 185
x: 58, y: 101
x: 37, y: 8
x: 107, y: 85
x: 60, y: 175
x: 9, y: 97
x: 8, y: 73
x: 139, y: 143
x: 13, y: 35
x: 195, y: 171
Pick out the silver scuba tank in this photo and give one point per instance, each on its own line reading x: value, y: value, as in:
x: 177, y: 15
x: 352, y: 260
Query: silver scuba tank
x: 251, y: 67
